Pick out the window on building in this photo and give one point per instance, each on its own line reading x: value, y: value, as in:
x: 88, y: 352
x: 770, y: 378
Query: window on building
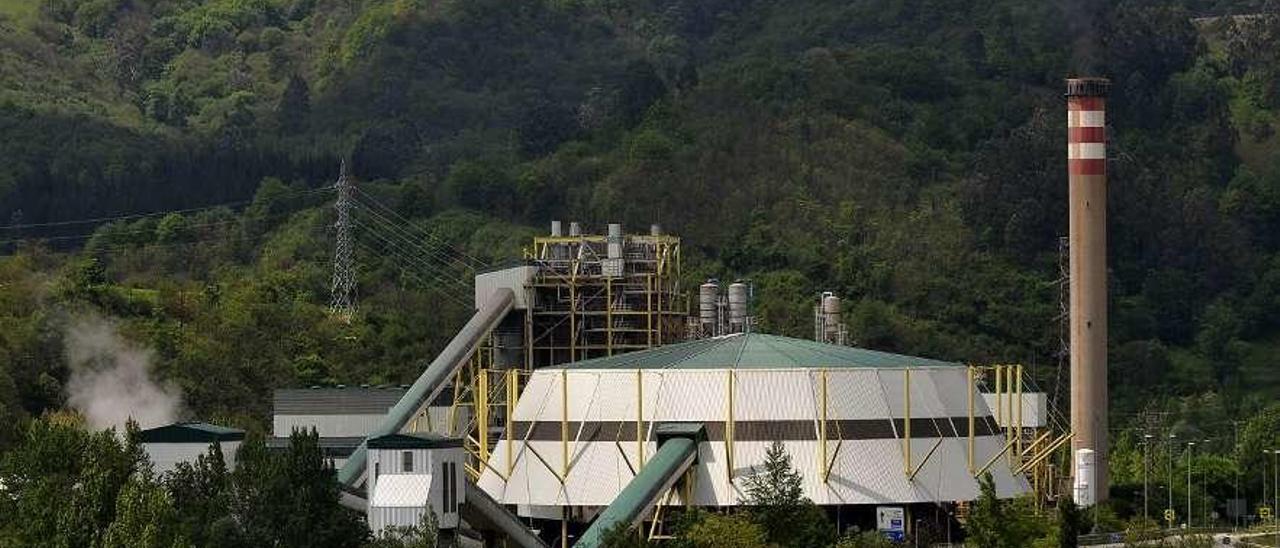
x: 376, y: 467
x: 446, y: 502
x: 451, y: 487
x: 406, y: 461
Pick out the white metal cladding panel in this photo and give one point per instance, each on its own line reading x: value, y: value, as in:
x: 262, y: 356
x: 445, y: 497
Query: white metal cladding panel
x: 614, y: 398
x: 950, y: 389
x: 514, y: 278
x: 688, y: 395
x: 583, y: 394
x: 862, y: 472
x: 1034, y: 405
x: 597, y: 474
x: 381, y: 518
x: 1007, y: 485
x: 531, y: 481
x: 773, y: 395
x: 535, y: 399
x: 402, y: 490
x: 166, y: 456
x: 925, y: 401
x: 328, y: 426
x: 854, y: 395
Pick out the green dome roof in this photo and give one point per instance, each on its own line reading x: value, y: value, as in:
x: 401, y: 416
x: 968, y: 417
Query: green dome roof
x: 755, y: 351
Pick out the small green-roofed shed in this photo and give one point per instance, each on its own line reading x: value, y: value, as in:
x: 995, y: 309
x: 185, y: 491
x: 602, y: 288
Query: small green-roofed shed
x: 757, y: 351
x: 190, y: 432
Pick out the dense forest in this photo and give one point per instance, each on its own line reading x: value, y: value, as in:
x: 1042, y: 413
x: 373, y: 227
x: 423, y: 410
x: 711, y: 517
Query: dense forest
x: 166, y: 163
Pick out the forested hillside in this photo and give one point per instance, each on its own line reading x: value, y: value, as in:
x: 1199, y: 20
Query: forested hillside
x: 907, y: 154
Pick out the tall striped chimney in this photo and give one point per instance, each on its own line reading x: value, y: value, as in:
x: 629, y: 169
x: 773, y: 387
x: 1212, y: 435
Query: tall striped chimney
x: 1087, y: 188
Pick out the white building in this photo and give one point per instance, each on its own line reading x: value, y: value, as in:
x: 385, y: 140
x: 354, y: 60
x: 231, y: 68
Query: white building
x: 411, y: 473
x: 186, y: 441
x: 343, y: 417
x: 841, y: 413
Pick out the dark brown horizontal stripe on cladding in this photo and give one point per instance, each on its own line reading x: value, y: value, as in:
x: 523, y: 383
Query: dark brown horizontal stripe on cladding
x: 757, y: 430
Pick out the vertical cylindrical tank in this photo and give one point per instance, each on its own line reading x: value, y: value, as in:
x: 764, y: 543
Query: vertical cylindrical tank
x: 1087, y: 195
x: 1084, y: 485
x: 613, y: 263
x: 737, y: 307
x: 708, y: 308
x: 556, y: 229
x: 830, y: 315
x: 575, y: 229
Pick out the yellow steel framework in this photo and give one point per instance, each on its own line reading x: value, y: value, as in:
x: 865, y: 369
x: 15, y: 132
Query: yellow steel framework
x: 586, y: 304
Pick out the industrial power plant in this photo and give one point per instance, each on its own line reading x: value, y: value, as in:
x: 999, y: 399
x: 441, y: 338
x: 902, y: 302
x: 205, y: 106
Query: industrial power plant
x: 590, y: 390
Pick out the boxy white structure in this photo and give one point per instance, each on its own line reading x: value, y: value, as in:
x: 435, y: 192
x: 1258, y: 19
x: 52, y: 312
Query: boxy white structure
x: 169, y: 445
x: 413, y: 473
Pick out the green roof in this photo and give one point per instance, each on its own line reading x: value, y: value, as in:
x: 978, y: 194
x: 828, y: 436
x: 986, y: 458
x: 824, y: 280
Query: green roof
x: 756, y: 351
x: 190, y: 432
x: 416, y: 440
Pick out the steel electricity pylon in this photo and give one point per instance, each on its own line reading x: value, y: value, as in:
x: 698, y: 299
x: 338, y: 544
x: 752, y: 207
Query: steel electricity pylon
x: 342, y: 302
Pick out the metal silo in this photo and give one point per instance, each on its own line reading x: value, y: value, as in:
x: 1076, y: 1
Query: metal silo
x: 708, y: 308
x: 613, y: 263
x: 738, y: 296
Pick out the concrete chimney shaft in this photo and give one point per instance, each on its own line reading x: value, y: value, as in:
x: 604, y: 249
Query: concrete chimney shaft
x: 1087, y: 191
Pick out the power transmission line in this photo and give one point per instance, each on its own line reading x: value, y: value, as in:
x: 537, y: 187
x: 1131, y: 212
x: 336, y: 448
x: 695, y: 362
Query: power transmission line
x: 153, y: 213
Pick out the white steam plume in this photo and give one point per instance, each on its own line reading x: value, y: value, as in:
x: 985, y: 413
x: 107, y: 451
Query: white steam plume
x: 111, y: 378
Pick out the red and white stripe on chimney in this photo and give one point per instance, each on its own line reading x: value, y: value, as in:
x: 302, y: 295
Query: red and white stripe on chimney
x: 1086, y: 135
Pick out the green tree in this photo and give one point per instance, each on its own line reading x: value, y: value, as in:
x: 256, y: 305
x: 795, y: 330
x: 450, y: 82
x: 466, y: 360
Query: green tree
x: 201, y: 494
x: 866, y: 539
x: 144, y: 517
x: 1070, y: 523
x: 775, y: 500
x: 727, y: 531
x: 424, y: 534
x: 996, y: 523
x: 290, y: 498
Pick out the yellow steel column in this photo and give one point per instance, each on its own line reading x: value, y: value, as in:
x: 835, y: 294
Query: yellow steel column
x: 822, y: 428
x: 640, y: 415
x: 573, y: 319
x: 482, y: 413
x: 1018, y: 415
x: 906, y: 422
x: 1000, y: 422
x: 728, y: 432
x: 564, y: 527
x: 608, y: 315
x: 972, y: 422
x: 564, y: 423
x: 1008, y: 412
x: 648, y: 302
x: 513, y: 391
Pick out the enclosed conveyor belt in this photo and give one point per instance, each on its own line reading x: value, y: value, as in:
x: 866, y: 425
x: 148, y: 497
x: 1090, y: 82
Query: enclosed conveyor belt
x: 433, y: 380
x: 481, y: 509
x: 677, y: 451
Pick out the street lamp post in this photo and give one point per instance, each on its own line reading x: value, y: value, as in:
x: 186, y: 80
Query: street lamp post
x: 1169, y: 461
x: 1204, y: 507
x: 1191, y: 445
x: 1146, y: 463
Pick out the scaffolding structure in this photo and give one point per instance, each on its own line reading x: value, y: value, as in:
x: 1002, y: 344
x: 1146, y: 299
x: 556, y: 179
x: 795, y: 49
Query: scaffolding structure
x: 593, y: 296
x: 585, y: 296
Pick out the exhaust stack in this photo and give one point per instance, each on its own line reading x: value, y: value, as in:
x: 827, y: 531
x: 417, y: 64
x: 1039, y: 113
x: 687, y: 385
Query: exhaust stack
x: 1087, y: 190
